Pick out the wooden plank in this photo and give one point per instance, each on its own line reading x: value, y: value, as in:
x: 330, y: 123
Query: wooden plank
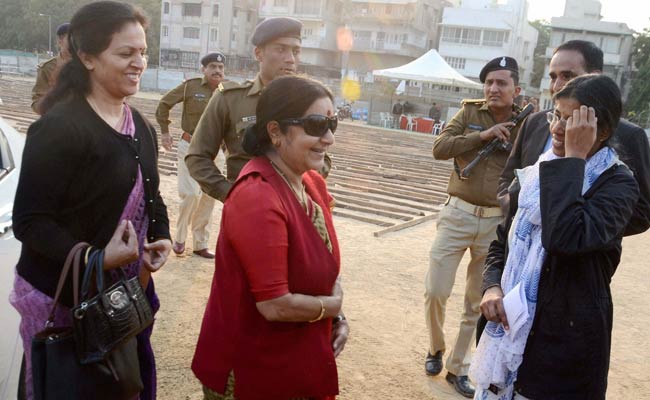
x: 408, y: 224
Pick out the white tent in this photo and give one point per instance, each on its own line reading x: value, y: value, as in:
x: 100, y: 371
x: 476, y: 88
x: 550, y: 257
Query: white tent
x: 430, y: 67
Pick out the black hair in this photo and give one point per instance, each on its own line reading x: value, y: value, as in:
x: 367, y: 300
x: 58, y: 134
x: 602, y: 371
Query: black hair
x: 515, y: 77
x: 592, y: 55
x: 91, y: 30
x: 601, y: 93
x: 284, y: 98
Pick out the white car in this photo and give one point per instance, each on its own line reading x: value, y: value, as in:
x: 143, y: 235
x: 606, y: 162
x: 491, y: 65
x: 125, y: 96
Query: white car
x: 11, y: 349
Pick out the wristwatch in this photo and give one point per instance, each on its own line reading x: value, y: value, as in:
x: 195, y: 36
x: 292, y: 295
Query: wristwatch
x: 338, y: 319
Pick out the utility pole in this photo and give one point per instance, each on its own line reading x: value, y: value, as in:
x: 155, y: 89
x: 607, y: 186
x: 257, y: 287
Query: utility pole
x: 49, y: 24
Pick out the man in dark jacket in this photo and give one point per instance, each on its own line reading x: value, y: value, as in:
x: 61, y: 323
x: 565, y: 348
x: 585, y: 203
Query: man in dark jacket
x: 572, y: 59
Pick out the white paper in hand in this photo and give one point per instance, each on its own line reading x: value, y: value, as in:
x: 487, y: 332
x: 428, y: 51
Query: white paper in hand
x: 516, y: 307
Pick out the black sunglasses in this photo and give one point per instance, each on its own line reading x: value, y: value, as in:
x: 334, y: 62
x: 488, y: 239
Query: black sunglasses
x: 315, y: 124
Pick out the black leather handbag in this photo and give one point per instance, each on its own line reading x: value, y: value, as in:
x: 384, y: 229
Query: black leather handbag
x: 57, y: 373
x: 112, y: 316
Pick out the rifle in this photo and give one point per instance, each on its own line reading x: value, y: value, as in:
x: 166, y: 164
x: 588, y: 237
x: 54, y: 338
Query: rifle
x: 494, y: 144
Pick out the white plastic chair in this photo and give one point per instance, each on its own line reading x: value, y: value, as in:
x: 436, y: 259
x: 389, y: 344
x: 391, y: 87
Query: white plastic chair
x: 411, y: 123
x: 437, y: 128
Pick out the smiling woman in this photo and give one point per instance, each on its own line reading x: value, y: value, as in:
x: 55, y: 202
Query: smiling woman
x: 93, y: 160
x: 273, y: 324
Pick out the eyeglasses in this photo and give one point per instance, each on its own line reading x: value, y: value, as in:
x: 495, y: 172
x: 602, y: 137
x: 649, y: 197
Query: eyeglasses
x: 315, y: 124
x: 553, y: 119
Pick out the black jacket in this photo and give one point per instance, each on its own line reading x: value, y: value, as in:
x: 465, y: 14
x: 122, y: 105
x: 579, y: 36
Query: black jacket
x: 76, y: 176
x: 630, y: 141
x: 567, y: 352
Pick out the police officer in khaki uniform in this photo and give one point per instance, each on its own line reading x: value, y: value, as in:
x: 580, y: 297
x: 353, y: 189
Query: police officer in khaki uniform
x: 195, y: 206
x: 277, y: 44
x: 48, y: 70
x: 471, y: 214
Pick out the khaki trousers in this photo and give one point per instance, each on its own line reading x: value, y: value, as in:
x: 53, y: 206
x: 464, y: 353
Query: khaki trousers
x: 195, y: 207
x: 456, y: 232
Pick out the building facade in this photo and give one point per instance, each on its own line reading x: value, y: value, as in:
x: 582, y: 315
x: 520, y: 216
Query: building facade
x: 385, y: 33
x: 389, y: 33
x: 189, y: 29
x: 582, y: 20
x: 480, y: 30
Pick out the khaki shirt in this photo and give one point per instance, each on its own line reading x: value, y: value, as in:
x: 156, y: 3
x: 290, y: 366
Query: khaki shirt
x: 194, y: 94
x: 229, y: 112
x: 461, y: 140
x: 45, y: 80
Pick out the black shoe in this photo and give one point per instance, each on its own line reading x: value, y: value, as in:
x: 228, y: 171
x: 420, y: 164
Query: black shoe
x: 461, y: 384
x: 433, y: 364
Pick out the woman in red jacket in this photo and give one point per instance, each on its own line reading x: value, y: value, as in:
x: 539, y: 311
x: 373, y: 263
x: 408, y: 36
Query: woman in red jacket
x: 273, y: 324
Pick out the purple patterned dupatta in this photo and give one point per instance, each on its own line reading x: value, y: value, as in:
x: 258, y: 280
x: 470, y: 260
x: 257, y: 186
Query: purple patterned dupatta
x: 136, y: 213
x: 34, y: 306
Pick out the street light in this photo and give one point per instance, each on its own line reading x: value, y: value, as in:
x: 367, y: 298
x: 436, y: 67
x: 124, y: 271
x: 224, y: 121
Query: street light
x: 49, y: 21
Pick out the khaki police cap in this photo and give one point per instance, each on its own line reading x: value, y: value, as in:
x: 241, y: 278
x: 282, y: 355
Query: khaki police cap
x: 276, y: 27
x: 499, y: 63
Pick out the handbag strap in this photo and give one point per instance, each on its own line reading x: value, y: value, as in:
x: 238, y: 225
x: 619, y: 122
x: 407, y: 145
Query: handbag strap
x: 74, y: 252
x: 95, y: 266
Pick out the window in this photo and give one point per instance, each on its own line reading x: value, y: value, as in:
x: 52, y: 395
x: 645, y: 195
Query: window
x: 494, y: 38
x: 166, y: 7
x: 612, y: 45
x: 471, y: 36
x: 189, y: 59
x: 233, y: 36
x: 234, y: 13
x: 165, y: 30
x: 306, y: 32
x: 191, y: 33
x: 456, y: 62
x: 214, y: 35
x: 461, y: 35
x: 281, y: 3
x: 215, y: 10
x: 191, y: 9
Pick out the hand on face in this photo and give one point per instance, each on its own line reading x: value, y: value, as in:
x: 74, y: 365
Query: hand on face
x: 580, y: 133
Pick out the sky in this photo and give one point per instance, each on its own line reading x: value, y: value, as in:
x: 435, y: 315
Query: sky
x: 635, y: 13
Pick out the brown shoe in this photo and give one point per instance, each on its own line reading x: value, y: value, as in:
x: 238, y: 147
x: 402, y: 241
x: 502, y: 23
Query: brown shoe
x: 205, y: 253
x: 179, y: 248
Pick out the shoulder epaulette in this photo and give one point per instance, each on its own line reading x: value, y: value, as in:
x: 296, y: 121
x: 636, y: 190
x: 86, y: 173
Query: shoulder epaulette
x: 231, y: 85
x: 473, y: 101
x: 41, y: 65
x: 193, y: 79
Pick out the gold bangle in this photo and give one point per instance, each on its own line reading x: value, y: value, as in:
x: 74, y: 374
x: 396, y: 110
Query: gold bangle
x: 322, y: 311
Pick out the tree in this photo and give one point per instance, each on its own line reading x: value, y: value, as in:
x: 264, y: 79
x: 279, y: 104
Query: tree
x: 539, y: 63
x: 638, y: 101
x: 22, y: 28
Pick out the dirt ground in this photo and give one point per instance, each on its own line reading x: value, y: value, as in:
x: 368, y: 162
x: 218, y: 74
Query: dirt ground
x: 383, y: 284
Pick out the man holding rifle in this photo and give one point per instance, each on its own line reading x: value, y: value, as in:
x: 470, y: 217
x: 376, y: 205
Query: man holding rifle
x: 471, y: 214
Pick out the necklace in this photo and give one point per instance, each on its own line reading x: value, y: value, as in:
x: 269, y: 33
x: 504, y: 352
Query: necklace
x: 302, y: 196
x: 101, y: 115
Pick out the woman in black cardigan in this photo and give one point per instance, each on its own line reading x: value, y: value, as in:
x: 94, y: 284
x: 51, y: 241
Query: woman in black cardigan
x: 556, y: 253
x: 89, y: 174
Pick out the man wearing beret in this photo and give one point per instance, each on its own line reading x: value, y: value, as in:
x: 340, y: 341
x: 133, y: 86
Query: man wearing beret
x: 48, y: 70
x: 231, y: 110
x: 469, y: 218
x: 195, y: 206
